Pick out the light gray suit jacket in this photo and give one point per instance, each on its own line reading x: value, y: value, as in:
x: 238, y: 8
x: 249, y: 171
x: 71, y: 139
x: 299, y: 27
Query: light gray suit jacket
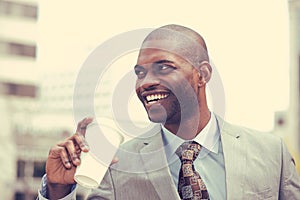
x: 257, y: 166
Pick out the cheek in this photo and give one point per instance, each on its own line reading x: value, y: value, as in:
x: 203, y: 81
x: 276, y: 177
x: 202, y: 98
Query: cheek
x: 137, y: 89
x: 187, y: 89
x: 137, y: 86
x: 193, y: 81
x: 187, y: 82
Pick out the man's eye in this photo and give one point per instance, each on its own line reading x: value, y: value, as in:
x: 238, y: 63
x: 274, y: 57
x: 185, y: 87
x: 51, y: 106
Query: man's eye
x: 139, y: 73
x: 165, y: 68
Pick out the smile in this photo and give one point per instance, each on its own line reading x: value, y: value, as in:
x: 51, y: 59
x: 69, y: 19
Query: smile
x: 155, y: 97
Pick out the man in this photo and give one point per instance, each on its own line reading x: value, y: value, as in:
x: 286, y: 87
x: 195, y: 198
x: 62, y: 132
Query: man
x: 193, y: 154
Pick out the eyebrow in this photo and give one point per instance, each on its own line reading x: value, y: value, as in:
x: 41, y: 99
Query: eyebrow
x: 156, y: 62
x: 163, y: 61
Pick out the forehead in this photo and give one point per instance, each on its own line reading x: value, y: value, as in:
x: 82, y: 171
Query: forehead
x: 148, y: 56
x: 156, y: 50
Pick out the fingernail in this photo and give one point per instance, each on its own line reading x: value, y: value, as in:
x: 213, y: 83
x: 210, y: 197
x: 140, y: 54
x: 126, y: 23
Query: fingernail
x: 85, y: 145
x: 68, y: 164
x: 89, y: 118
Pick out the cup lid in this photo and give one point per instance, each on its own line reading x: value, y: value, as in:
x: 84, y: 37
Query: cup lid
x: 85, y: 181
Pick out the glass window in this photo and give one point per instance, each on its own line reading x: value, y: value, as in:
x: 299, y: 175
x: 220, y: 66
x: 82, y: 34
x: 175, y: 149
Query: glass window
x: 30, y: 11
x: 21, y: 49
x: 39, y: 168
x: 18, y: 49
x: 20, y: 196
x: 21, y: 168
x: 20, y: 89
x: 18, y: 9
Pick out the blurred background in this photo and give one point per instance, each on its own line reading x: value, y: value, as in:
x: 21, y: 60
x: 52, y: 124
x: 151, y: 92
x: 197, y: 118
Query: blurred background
x: 254, y: 44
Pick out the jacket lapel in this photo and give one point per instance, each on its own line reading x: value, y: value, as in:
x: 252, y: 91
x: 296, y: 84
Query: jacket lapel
x: 156, y: 166
x: 235, y: 155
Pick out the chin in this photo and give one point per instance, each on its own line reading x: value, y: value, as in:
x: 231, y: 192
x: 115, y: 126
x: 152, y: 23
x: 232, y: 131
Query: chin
x: 157, y: 114
x: 157, y: 119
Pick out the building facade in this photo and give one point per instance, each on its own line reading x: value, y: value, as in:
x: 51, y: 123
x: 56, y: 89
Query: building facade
x: 19, y: 89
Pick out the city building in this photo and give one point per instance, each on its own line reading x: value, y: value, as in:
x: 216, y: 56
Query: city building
x: 18, y: 93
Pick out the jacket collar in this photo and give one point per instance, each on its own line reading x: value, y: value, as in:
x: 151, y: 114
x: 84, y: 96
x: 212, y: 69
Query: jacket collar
x: 156, y: 166
x: 235, y: 155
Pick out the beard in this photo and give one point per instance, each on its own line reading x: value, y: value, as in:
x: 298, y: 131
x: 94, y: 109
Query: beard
x: 173, y: 112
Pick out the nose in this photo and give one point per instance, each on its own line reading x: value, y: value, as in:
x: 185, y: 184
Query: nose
x: 149, y: 82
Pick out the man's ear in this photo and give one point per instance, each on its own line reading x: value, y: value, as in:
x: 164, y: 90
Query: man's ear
x: 204, y: 73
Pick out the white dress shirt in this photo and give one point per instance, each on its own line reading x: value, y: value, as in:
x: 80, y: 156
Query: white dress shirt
x: 210, y: 162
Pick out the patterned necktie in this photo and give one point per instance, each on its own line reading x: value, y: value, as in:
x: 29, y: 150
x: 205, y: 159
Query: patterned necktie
x: 190, y: 184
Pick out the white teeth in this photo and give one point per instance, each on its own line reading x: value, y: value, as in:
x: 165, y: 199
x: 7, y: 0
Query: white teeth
x: 155, y: 97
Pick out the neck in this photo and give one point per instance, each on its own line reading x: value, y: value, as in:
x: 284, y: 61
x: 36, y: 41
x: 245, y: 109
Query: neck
x: 193, y: 121
x: 189, y: 128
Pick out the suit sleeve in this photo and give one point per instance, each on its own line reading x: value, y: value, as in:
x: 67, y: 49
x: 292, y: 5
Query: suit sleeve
x: 290, y: 181
x: 42, y: 193
x: 106, y: 189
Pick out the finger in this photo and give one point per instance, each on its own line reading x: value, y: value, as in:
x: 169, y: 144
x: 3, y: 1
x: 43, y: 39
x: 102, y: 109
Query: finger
x: 82, y: 125
x: 65, y: 158
x: 60, y: 152
x: 81, y: 142
x: 71, y: 151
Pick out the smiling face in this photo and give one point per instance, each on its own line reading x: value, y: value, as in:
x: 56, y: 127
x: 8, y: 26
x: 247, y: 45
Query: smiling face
x: 167, y: 85
x: 172, y: 71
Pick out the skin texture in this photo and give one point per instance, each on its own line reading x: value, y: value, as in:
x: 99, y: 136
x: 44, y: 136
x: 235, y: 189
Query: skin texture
x: 165, y: 66
x: 173, y: 63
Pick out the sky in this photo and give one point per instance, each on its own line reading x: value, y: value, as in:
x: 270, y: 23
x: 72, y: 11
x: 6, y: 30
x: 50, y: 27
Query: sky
x: 248, y: 43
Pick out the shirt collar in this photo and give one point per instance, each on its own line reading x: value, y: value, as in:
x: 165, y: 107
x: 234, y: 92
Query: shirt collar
x: 207, y: 138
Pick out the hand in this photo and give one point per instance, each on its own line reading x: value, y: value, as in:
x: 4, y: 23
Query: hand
x: 65, y: 156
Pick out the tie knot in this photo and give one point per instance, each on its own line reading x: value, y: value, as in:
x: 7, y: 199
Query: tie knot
x: 188, y: 151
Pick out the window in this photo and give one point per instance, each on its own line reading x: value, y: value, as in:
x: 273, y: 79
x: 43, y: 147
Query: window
x: 15, y: 89
x: 18, y: 9
x: 21, y: 169
x: 39, y: 169
x: 17, y: 49
x: 21, y: 49
x: 20, y: 196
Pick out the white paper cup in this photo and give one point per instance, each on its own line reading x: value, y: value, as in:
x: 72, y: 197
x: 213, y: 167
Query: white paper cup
x: 104, y: 139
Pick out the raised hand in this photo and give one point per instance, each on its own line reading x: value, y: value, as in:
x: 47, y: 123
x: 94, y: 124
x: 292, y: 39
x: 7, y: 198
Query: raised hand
x: 63, y: 159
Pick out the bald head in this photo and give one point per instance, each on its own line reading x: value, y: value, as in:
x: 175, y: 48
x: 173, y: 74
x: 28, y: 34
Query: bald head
x: 182, y: 41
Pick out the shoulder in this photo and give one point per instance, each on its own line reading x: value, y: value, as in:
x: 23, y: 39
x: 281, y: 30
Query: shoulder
x: 136, y: 142
x: 129, y: 153
x: 250, y: 137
